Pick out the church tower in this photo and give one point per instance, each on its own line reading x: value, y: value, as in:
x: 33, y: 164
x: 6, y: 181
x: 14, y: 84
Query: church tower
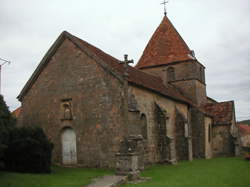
x: 168, y: 56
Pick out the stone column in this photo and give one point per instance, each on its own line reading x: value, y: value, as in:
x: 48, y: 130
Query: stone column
x: 190, y: 148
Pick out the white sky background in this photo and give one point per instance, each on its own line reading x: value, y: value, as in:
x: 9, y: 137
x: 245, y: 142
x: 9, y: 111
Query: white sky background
x: 218, y: 31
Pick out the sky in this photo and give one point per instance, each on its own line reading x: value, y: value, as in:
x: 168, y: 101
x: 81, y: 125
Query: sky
x: 217, y: 30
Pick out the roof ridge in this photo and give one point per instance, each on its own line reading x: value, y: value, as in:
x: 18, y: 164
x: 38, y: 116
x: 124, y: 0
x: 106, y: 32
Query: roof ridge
x: 136, y: 76
x: 91, y: 46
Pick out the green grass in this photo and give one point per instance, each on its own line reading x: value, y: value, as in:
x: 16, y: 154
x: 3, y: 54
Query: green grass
x: 219, y: 172
x: 60, y: 177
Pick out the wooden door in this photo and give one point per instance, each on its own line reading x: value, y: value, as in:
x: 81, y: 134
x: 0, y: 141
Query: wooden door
x: 69, y: 147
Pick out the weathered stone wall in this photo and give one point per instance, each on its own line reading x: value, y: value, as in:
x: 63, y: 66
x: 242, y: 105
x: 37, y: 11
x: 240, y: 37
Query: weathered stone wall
x: 223, y: 144
x: 208, y: 138
x: 96, y: 102
x: 146, y: 104
x: 193, y: 89
x: 198, y: 133
x: 183, y: 71
x: 245, y: 141
x: 188, y: 76
x: 181, y: 129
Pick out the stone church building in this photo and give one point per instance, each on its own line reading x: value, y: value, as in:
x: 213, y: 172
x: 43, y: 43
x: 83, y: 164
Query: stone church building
x: 89, y: 103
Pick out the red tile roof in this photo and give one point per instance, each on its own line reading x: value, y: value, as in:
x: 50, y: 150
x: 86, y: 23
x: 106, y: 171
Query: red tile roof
x: 166, y: 46
x: 244, y: 129
x: 135, y: 76
x: 16, y: 113
x: 222, y: 112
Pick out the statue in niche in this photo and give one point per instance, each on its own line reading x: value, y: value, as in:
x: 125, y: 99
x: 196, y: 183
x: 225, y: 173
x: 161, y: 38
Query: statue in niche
x: 67, y: 114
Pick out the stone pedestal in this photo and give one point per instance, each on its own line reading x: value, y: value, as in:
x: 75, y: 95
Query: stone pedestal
x: 127, y: 164
x: 130, y: 157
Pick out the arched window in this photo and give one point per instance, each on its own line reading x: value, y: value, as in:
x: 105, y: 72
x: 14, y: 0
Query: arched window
x: 209, y: 133
x: 186, y: 130
x: 171, y: 74
x: 144, y: 130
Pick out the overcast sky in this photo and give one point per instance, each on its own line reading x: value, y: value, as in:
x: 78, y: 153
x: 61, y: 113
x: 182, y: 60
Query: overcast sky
x: 217, y: 30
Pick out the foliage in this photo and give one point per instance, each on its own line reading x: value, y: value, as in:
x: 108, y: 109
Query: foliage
x: 29, y: 150
x: 7, y: 122
x: 63, y: 177
x: 245, y: 122
x: 218, y: 172
x: 6, y: 119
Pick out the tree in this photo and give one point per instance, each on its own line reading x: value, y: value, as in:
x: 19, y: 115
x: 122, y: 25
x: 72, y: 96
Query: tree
x: 7, y: 122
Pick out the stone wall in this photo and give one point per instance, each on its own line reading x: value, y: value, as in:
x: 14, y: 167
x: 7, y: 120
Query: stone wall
x: 208, y: 138
x: 147, y: 102
x: 198, y: 133
x: 245, y: 141
x: 181, y: 134
x: 223, y: 144
x: 189, y: 77
x: 95, y: 106
x: 183, y: 71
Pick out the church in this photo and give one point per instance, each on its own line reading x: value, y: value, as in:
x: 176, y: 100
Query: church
x: 89, y: 102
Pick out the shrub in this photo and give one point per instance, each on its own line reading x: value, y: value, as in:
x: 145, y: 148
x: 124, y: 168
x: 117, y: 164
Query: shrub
x: 7, y: 122
x: 29, y: 150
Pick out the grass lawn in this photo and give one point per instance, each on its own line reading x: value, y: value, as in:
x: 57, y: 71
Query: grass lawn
x: 218, y: 172
x: 60, y: 177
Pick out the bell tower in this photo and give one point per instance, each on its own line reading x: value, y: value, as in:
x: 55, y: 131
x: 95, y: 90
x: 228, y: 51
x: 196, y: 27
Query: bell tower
x: 169, y: 57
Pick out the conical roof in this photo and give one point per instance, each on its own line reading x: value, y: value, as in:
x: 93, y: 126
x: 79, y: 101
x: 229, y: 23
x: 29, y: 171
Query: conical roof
x: 165, y: 46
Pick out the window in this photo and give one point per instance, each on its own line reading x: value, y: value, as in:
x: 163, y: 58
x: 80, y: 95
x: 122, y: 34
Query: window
x: 209, y: 133
x: 144, y: 131
x: 171, y: 74
x: 201, y: 74
x: 186, y: 130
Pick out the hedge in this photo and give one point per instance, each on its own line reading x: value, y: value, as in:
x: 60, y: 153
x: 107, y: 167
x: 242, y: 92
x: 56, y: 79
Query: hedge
x: 29, y: 151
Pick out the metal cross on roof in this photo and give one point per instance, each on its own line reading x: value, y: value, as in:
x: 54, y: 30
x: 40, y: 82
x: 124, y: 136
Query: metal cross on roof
x: 125, y: 63
x: 165, y: 6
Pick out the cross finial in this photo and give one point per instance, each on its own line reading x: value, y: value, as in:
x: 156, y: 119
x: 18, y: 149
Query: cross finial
x: 165, y: 6
x: 125, y: 63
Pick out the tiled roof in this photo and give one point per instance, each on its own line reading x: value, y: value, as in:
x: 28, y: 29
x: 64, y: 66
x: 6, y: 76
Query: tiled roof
x: 222, y: 112
x: 16, y: 113
x: 135, y: 76
x: 166, y: 46
x: 244, y: 129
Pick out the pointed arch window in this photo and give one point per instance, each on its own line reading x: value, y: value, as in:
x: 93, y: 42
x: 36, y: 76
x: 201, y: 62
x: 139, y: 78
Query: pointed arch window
x: 144, y: 127
x: 171, y: 74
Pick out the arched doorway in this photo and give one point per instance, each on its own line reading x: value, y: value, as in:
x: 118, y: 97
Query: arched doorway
x: 69, y: 146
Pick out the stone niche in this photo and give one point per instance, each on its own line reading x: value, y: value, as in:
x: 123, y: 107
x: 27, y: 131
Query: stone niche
x: 130, y: 157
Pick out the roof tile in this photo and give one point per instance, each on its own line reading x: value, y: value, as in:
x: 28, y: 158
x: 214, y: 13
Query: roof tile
x: 222, y: 112
x: 244, y: 129
x: 165, y: 46
x: 136, y: 76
